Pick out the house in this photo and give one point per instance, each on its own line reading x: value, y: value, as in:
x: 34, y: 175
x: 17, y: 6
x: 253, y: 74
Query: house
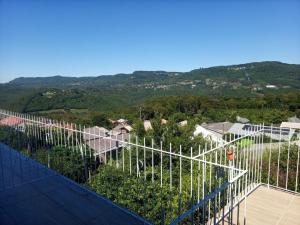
x: 241, y: 129
x: 219, y: 127
x: 199, y: 130
x: 112, y: 121
x: 121, y: 121
x: 122, y: 129
x: 277, y: 133
x: 163, y: 121
x: 294, y: 119
x: 12, y: 121
x: 102, y: 140
x: 182, y: 123
x: 94, y: 132
x: 271, y: 86
x: 147, y: 125
x: 240, y: 119
x: 213, y: 131
x: 293, y: 124
x: 290, y: 125
x: 118, y: 122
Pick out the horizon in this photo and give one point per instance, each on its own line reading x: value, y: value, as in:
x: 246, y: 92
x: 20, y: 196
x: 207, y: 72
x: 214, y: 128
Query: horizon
x: 90, y: 39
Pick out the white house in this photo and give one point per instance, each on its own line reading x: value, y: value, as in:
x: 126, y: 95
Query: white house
x: 183, y: 123
x: 213, y: 131
x: 294, y: 119
x: 271, y: 86
x: 290, y: 125
x: 206, y: 133
x: 147, y: 125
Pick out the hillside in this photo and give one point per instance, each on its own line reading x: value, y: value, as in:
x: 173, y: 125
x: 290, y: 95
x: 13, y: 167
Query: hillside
x: 106, y: 92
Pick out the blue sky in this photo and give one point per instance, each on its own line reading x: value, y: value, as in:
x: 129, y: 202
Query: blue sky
x: 91, y: 38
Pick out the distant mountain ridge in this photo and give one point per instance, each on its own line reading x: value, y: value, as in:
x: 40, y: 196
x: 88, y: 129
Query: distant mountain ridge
x: 109, y: 92
x: 261, y: 72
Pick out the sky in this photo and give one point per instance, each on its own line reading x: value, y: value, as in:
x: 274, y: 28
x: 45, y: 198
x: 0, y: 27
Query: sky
x: 92, y: 38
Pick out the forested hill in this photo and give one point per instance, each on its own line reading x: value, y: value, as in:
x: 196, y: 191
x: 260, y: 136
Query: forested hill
x: 110, y: 92
x: 261, y: 73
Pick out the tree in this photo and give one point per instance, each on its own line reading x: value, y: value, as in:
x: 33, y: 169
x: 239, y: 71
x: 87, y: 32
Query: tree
x: 139, y: 129
x: 101, y: 119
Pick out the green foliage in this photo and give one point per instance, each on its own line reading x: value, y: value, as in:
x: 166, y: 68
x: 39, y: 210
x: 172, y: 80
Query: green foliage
x: 139, y: 129
x: 101, y: 120
x: 72, y: 162
x: 106, y: 93
x: 286, y: 157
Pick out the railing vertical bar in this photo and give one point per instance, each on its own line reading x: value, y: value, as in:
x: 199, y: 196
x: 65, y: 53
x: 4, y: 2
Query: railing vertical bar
x: 288, y: 161
x: 161, y: 166
x: 270, y: 146
x: 180, y: 169
x: 297, y: 169
x: 191, y: 172
x: 152, y: 160
x: 137, y: 157
x: 145, y: 166
x: 170, y: 166
x: 262, y: 152
x: 278, y: 161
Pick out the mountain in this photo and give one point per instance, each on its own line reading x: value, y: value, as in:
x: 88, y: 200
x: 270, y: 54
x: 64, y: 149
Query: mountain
x: 109, y: 92
x: 277, y: 73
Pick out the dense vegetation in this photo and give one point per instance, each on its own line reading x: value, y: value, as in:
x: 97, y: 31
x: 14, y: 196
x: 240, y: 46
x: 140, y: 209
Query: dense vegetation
x: 268, y: 109
x: 282, y: 169
x: 106, y: 93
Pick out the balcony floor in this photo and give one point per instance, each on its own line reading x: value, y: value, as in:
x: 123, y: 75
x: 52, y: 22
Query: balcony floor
x: 268, y: 206
x: 38, y: 195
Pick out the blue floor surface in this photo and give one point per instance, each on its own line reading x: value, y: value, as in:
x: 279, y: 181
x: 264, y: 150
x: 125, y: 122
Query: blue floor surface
x: 31, y: 194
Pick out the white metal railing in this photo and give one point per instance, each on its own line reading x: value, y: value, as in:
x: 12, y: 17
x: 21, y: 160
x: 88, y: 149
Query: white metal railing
x: 254, y: 157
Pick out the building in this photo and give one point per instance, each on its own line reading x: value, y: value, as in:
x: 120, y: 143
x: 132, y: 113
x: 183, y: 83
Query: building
x: 163, y: 121
x: 199, y: 130
x: 290, y: 125
x: 118, y: 122
x: 122, y: 129
x: 102, y: 140
x: 121, y: 121
x: 213, y: 131
x: 147, y: 125
x: 183, y: 123
x: 12, y: 121
x: 240, y: 129
x: 277, y: 133
x: 240, y: 119
x: 294, y: 119
x: 271, y: 86
x: 93, y: 132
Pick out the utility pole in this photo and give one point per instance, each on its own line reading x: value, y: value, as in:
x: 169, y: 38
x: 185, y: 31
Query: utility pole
x: 140, y: 113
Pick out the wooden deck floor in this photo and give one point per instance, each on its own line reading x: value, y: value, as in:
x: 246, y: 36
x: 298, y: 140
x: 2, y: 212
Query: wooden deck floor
x: 267, y: 206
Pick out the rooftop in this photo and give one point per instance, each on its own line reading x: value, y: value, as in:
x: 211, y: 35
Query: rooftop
x: 220, y: 127
x: 42, y: 196
x: 294, y: 119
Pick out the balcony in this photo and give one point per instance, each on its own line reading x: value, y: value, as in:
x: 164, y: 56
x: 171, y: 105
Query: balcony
x: 50, y: 175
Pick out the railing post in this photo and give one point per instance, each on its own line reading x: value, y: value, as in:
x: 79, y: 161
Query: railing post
x: 288, y: 161
x: 179, y: 205
x: 192, y: 207
x: 270, y: 146
x: 163, y: 216
x: 297, y: 168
